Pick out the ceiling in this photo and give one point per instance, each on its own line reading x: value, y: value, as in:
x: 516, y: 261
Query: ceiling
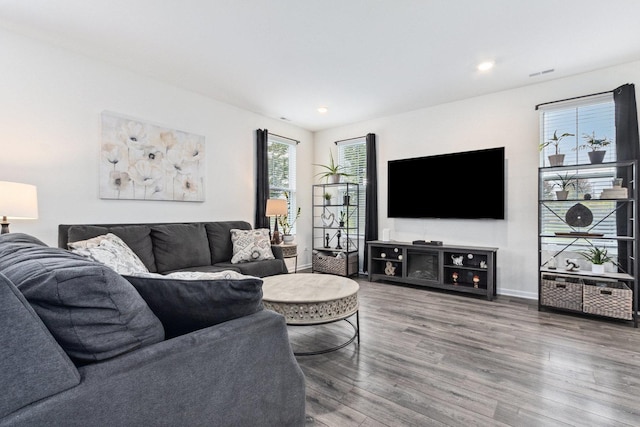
x: 362, y: 59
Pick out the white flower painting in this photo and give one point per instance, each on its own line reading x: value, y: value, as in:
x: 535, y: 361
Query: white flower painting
x: 141, y: 161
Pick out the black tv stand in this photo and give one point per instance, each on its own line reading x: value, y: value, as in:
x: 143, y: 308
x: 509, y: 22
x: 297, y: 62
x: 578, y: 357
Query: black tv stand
x: 467, y: 269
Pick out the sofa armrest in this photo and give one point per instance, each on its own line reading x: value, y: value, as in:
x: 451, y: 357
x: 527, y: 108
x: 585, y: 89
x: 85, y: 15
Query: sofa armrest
x: 32, y: 364
x: 237, y: 373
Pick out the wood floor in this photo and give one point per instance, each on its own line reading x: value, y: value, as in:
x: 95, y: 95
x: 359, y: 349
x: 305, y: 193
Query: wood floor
x: 428, y: 358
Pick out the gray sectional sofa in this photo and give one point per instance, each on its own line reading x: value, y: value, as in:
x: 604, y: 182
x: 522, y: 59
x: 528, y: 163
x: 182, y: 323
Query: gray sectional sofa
x: 80, y: 346
x: 169, y: 247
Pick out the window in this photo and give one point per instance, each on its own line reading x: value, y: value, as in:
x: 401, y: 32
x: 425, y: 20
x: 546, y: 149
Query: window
x: 577, y: 119
x: 282, y: 171
x: 352, y: 155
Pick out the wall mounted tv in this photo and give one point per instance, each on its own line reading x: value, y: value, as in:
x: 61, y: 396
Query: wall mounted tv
x: 463, y: 185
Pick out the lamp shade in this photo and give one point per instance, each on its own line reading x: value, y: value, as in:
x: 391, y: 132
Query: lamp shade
x: 18, y: 201
x: 276, y: 207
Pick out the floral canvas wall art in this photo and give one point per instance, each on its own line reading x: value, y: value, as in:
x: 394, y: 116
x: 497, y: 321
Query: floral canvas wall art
x: 142, y: 161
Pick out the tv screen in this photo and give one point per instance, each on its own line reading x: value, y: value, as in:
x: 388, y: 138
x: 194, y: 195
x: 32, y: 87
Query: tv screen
x: 465, y: 185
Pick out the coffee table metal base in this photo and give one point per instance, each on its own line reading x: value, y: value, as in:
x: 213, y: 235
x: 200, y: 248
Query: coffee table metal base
x: 356, y: 335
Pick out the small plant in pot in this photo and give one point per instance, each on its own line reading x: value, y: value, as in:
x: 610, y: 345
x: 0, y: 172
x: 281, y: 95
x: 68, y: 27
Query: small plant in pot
x: 327, y: 198
x: 287, y: 223
x: 564, y: 183
x: 556, y: 159
x: 597, y: 257
x: 333, y: 172
x: 596, y: 155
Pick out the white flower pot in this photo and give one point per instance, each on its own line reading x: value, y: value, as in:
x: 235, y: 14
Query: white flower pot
x: 597, y: 268
x: 287, y: 238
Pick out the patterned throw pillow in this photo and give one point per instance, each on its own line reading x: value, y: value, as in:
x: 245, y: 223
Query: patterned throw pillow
x: 250, y: 245
x: 111, y: 251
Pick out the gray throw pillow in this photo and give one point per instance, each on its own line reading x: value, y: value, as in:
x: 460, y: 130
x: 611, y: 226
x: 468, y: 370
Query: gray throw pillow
x: 178, y: 246
x: 92, y: 312
x: 184, y: 306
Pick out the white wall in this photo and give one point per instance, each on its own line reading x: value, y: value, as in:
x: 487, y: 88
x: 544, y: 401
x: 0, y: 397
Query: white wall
x: 506, y: 119
x: 50, y: 120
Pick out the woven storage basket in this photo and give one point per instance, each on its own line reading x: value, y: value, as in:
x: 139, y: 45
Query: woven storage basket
x: 561, y: 292
x: 613, y: 300
x: 328, y: 263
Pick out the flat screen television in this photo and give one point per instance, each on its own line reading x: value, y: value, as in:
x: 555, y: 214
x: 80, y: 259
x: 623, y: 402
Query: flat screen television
x: 463, y: 185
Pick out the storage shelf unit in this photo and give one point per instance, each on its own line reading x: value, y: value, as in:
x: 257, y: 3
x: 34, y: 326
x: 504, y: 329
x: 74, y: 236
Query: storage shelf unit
x: 455, y: 268
x: 336, y: 228
x: 589, y: 218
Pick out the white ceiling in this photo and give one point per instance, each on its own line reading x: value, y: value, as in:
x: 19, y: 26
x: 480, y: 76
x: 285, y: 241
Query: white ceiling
x: 361, y: 58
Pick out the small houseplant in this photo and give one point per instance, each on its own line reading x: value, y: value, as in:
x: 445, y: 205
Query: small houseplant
x: 597, y: 257
x: 564, y: 183
x: 285, y: 222
x: 333, y: 172
x: 596, y: 155
x: 556, y: 159
x: 327, y: 198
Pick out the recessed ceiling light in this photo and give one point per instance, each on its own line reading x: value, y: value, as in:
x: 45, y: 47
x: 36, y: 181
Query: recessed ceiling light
x: 322, y: 110
x: 486, y: 66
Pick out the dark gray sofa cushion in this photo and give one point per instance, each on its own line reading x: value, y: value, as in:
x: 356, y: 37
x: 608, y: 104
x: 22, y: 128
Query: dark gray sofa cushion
x: 93, y: 313
x: 32, y: 364
x: 184, y: 306
x: 137, y: 237
x: 219, y: 234
x: 178, y: 246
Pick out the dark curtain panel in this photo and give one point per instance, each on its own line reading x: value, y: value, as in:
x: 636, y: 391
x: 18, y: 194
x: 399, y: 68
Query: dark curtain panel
x: 371, y: 198
x: 262, y: 177
x: 628, y: 148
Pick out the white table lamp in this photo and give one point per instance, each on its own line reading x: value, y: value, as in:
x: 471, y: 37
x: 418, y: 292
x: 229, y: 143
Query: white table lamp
x: 276, y: 207
x: 17, y: 201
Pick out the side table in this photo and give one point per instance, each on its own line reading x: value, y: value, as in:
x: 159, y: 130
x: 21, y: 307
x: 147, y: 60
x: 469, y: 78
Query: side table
x: 290, y: 250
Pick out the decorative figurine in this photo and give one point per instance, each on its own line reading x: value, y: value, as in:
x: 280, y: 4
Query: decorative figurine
x: 339, y: 236
x: 326, y: 241
x: 483, y: 264
x: 389, y: 270
x: 454, y: 276
x: 476, y: 280
x: 572, y: 264
x: 457, y: 260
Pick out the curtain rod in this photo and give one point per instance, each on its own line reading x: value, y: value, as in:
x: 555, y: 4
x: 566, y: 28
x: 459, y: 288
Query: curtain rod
x: 350, y: 139
x: 285, y: 137
x: 571, y: 99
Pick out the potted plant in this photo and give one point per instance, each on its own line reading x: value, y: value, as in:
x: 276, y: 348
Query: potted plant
x: 596, y: 155
x: 327, y: 198
x: 597, y: 257
x: 564, y: 183
x: 556, y: 159
x: 285, y: 223
x: 342, y: 217
x: 333, y: 172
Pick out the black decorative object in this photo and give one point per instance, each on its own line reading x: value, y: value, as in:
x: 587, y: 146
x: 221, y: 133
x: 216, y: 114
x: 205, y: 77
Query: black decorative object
x: 338, y: 235
x: 579, y: 216
x: 326, y: 239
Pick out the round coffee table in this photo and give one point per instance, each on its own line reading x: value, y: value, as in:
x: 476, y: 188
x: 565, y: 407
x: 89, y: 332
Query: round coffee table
x: 312, y: 299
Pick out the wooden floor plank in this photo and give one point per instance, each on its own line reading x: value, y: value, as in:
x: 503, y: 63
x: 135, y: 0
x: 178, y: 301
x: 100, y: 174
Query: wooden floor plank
x: 430, y: 358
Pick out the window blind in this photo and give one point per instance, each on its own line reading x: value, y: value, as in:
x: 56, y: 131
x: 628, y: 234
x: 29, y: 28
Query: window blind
x: 282, y: 171
x: 582, y: 117
x: 352, y: 155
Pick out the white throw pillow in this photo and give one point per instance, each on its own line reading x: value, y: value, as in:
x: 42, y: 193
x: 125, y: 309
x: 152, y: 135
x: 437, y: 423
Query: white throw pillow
x: 250, y: 245
x: 110, y: 250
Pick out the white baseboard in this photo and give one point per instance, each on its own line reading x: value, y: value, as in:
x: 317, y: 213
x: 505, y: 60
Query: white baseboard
x: 518, y: 294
